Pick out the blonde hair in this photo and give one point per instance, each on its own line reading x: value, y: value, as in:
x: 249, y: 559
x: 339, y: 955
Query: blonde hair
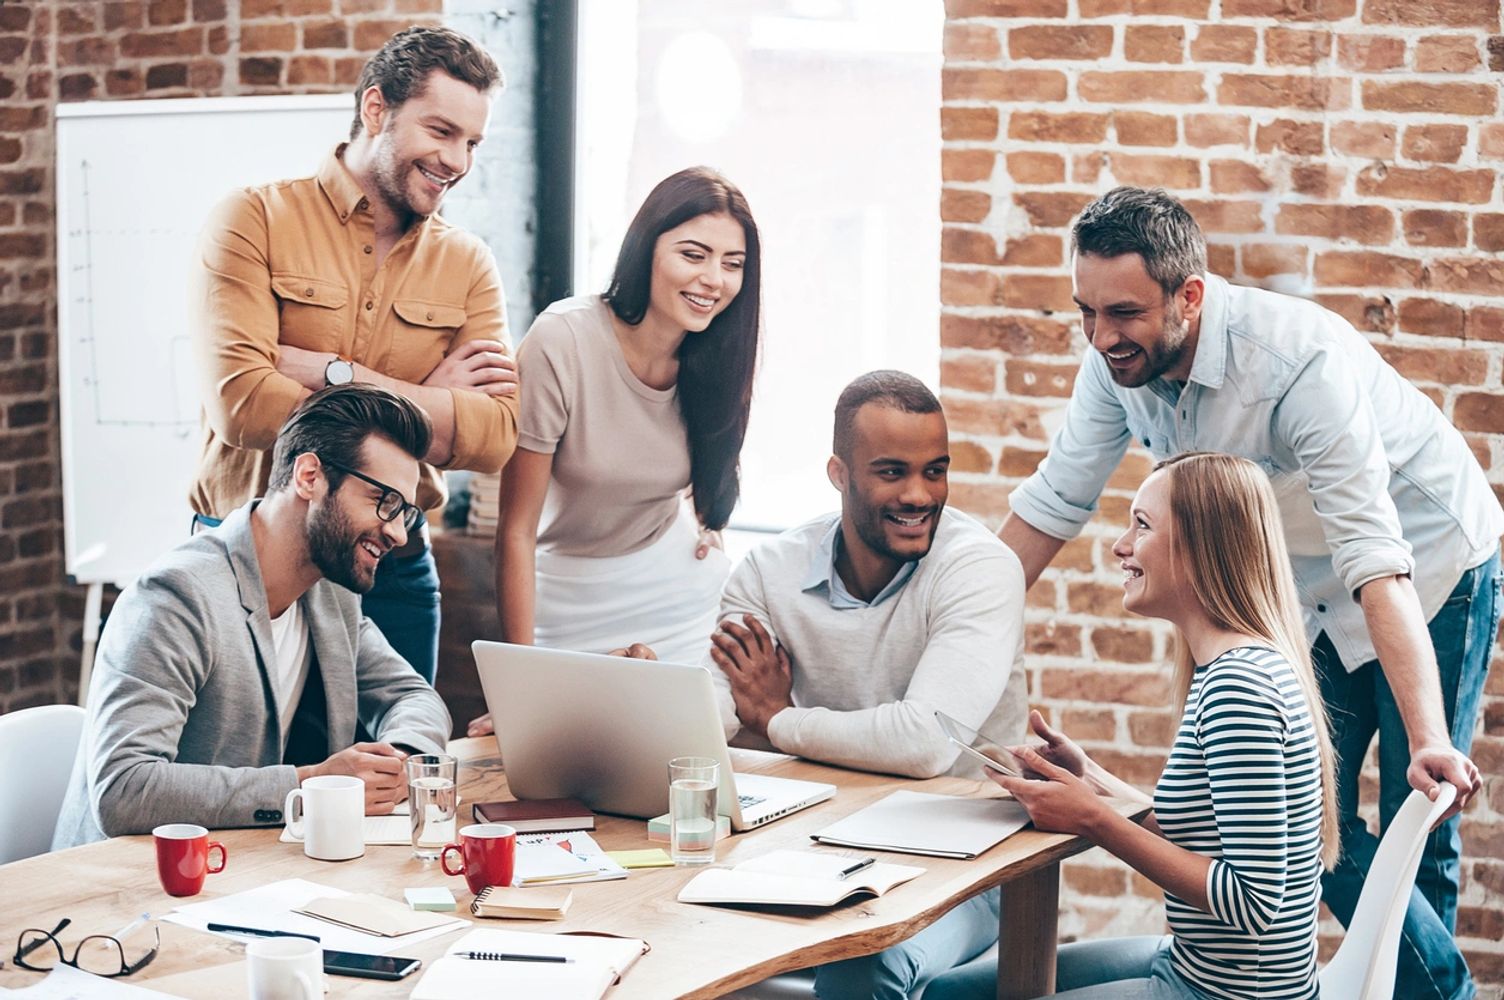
x: 1239, y: 570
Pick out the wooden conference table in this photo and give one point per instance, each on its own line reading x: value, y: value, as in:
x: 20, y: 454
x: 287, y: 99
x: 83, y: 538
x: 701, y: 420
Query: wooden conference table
x: 697, y: 951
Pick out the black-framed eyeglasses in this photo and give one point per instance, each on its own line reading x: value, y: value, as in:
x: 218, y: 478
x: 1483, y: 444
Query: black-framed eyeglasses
x: 97, y: 954
x: 390, y: 504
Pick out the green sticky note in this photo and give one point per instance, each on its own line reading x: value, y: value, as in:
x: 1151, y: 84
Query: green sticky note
x: 435, y: 898
x: 653, y: 857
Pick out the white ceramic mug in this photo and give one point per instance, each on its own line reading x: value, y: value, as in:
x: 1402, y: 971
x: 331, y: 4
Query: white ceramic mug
x: 285, y: 968
x: 328, y: 815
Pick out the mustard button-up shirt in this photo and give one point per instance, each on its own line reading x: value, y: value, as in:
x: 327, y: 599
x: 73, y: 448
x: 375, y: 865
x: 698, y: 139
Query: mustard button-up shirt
x: 294, y: 263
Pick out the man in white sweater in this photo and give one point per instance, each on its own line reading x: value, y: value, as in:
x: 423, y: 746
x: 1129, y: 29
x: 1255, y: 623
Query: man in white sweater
x: 840, y: 639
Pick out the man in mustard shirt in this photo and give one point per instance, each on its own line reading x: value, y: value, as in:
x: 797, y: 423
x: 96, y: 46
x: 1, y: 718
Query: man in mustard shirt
x: 350, y: 276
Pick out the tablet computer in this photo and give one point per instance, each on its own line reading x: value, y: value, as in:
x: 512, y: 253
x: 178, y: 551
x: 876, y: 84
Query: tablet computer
x: 987, y: 752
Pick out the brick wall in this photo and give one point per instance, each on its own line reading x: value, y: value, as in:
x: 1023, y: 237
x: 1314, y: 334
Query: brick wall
x: 1346, y: 150
x: 69, y: 50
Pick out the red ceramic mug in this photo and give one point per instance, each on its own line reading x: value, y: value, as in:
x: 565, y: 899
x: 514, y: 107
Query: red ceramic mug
x: 183, y: 851
x: 487, y: 855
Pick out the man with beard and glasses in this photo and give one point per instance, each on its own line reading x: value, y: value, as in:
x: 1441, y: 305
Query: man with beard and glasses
x: 841, y: 638
x: 1392, y: 527
x: 350, y: 276
x: 239, y: 664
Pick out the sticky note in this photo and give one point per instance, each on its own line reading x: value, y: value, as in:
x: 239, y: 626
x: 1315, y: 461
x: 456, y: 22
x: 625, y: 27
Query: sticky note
x: 435, y: 898
x: 658, y: 828
x: 653, y: 857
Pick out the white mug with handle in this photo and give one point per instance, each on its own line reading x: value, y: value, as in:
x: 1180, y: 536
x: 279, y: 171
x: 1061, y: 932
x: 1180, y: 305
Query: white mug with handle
x: 328, y: 815
x: 285, y: 968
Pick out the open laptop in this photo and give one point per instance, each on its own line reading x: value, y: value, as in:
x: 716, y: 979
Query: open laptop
x: 602, y: 729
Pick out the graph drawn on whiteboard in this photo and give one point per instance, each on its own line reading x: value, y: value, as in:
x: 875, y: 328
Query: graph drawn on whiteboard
x: 136, y: 183
x: 172, y: 403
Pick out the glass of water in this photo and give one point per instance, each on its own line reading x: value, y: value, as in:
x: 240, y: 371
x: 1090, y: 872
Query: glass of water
x: 692, y: 784
x: 431, y: 801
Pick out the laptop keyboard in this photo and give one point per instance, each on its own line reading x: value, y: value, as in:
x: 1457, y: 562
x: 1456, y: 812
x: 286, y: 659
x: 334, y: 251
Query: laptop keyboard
x: 748, y: 801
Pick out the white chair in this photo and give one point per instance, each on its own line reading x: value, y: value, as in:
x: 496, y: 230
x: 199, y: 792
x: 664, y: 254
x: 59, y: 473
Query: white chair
x: 37, y: 746
x: 1364, y: 966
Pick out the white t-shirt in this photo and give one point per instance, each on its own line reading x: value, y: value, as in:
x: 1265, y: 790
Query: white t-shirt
x: 290, y: 665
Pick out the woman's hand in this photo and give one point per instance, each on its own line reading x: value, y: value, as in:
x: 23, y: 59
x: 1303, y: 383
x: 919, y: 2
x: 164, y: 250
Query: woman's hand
x: 1058, y: 748
x: 708, y: 540
x: 1058, y: 801
x: 481, y: 726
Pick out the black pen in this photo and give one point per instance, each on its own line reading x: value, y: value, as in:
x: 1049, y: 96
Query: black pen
x: 506, y: 956
x: 864, y: 863
x: 258, y: 931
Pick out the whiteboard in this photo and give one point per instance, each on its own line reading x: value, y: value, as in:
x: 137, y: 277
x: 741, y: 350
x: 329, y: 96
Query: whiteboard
x: 135, y: 183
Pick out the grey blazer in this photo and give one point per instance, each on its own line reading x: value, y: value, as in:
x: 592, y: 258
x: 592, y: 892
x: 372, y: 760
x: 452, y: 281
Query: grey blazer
x: 183, y: 716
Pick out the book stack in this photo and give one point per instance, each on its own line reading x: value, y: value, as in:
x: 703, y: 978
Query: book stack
x: 485, y: 494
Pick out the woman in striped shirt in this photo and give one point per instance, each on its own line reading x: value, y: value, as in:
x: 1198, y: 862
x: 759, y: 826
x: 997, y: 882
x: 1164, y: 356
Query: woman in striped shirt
x: 1243, y: 818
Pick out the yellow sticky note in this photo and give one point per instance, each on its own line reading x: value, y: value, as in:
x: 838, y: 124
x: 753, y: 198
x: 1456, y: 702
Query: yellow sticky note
x: 654, y: 857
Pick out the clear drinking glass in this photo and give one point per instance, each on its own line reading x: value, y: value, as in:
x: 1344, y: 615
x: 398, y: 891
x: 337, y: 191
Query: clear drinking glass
x: 692, y: 784
x: 431, y: 801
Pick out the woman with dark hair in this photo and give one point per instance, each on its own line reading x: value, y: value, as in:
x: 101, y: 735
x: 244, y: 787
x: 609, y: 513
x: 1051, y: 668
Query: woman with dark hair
x: 629, y: 399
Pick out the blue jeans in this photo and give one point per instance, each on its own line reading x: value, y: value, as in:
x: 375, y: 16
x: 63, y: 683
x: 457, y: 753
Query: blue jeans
x: 1361, y: 705
x: 403, y: 604
x: 1128, y: 968
x: 893, y: 973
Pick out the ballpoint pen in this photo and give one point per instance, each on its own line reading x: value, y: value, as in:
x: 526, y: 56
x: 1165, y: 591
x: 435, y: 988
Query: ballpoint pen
x: 853, y: 869
x: 258, y: 931
x: 506, y: 956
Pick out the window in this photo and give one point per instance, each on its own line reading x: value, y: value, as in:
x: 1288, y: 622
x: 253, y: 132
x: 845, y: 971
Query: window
x: 826, y: 114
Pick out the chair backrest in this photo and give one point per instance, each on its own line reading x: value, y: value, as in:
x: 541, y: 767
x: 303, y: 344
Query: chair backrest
x: 37, y: 747
x: 1364, y: 966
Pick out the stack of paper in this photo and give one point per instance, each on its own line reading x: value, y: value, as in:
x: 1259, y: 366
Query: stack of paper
x: 273, y: 907
x: 944, y: 826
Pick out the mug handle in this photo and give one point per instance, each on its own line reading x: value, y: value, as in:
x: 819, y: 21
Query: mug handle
x: 310, y: 992
x: 294, y: 816
x: 444, y: 859
x: 224, y: 856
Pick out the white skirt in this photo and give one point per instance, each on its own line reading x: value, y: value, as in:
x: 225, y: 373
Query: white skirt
x: 661, y: 596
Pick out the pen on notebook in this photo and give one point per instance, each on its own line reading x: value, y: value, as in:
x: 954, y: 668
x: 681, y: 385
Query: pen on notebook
x: 507, y: 956
x: 258, y: 931
x: 853, y: 869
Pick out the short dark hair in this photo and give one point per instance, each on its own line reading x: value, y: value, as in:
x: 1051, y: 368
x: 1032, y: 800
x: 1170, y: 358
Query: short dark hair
x: 715, y: 366
x: 894, y: 389
x: 1150, y: 223
x: 334, y: 423
x: 402, y: 67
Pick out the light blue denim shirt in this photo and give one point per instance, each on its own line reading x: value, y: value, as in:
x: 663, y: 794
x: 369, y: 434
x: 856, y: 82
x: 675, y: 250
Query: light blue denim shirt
x: 822, y: 575
x: 1368, y: 472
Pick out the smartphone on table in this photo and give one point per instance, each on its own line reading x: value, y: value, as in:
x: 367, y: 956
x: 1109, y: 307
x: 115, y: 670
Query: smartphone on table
x: 349, y: 963
x: 988, y: 753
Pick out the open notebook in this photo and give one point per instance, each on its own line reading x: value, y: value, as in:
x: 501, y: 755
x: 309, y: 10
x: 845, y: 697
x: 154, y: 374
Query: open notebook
x: 596, y: 964
x: 793, y: 878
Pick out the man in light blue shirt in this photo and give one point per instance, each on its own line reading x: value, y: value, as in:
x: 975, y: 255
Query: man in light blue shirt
x: 1390, y: 521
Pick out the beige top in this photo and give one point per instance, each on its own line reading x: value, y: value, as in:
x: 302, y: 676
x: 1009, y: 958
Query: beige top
x: 621, y: 455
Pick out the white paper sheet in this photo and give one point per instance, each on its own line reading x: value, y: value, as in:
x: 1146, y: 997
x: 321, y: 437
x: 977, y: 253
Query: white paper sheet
x: 271, y: 907
x: 67, y: 983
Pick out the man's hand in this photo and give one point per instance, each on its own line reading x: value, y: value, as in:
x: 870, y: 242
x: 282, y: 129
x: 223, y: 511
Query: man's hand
x: 1059, y: 802
x: 379, y: 765
x: 303, y: 366
x: 1444, y: 762
x: 481, y: 365
x: 483, y: 726
x: 761, y: 676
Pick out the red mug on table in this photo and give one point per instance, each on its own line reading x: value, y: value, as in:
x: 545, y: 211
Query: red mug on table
x: 487, y: 855
x: 183, y: 857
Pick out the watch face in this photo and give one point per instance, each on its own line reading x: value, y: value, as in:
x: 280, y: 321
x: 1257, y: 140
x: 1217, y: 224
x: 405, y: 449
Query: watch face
x: 339, y: 372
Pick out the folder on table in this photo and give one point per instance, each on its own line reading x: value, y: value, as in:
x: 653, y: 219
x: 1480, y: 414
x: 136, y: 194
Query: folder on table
x: 943, y: 826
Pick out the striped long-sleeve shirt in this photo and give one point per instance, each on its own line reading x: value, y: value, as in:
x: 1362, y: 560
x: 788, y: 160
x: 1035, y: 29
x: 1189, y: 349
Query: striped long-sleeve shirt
x: 1242, y: 786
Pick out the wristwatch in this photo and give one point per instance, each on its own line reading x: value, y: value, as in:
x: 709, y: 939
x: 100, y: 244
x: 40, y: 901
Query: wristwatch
x: 339, y: 372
